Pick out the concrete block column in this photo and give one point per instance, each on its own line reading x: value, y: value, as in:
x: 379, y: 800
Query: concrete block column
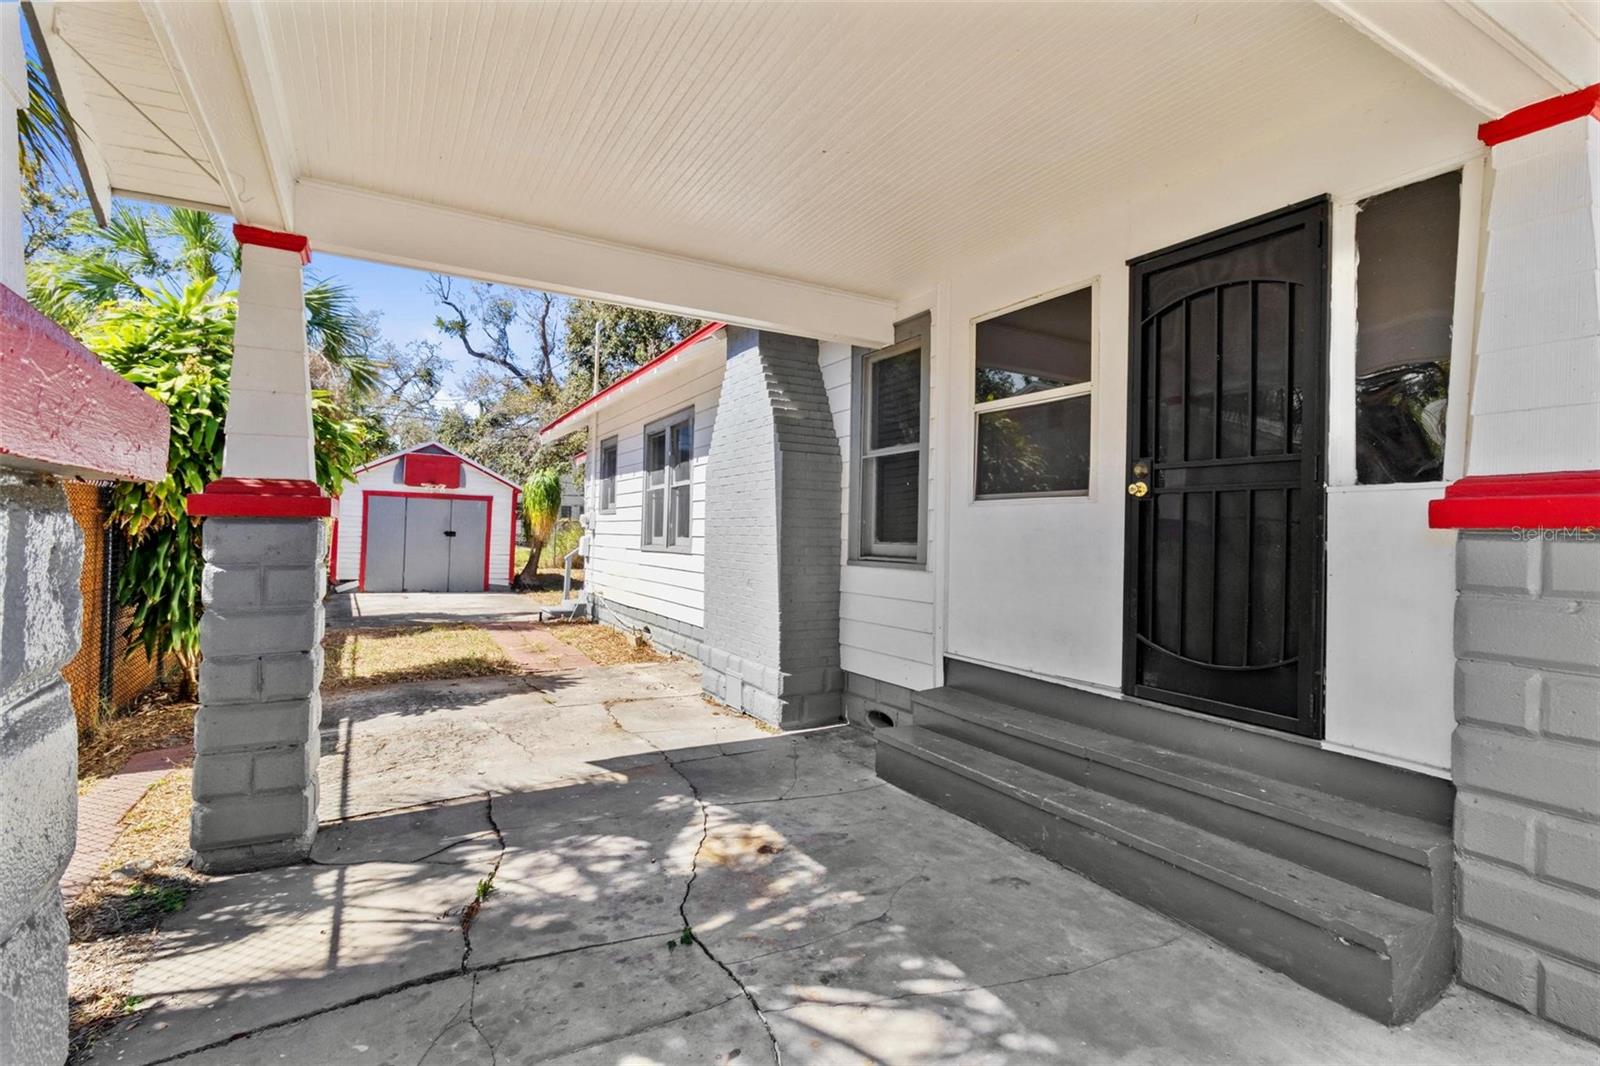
x: 265, y: 545
x: 1526, y: 758
x: 1527, y: 771
x: 772, y: 536
x: 255, y: 783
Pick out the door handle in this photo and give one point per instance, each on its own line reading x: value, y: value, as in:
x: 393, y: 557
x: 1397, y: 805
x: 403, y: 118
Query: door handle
x: 449, y: 532
x: 1139, y: 489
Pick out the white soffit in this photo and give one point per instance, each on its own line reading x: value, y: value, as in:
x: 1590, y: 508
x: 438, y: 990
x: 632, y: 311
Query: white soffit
x: 126, y: 104
x: 859, y: 148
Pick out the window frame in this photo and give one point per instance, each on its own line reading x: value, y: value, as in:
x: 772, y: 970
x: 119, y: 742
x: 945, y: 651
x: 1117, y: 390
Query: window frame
x: 607, y: 483
x: 912, y: 334
x: 1343, y: 318
x: 1034, y: 399
x: 669, y: 541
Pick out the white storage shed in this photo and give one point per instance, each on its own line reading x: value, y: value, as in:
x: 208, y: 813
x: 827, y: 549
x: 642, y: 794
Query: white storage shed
x: 427, y: 519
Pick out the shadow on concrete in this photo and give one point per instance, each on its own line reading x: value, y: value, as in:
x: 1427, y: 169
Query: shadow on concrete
x: 704, y: 901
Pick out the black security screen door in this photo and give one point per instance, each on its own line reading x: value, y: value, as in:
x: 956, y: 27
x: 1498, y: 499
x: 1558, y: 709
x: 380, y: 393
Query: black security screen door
x: 1225, y: 473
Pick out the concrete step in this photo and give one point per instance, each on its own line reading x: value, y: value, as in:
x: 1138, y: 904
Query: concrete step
x: 1263, y: 751
x: 1376, y: 955
x: 1396, y: 855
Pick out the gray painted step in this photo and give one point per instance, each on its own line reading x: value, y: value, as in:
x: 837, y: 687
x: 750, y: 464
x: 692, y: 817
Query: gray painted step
x: 1263, y: 751
x: 1374, y: 954
x: 1396, y: 855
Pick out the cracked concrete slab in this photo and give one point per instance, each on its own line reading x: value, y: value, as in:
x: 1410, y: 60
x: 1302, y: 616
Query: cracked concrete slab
x: 588, y: 864
x: 456, y: 833
x: 256, y: 949
x: 833, y: 917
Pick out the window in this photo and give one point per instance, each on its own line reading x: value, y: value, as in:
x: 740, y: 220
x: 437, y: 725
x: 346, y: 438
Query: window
x: 1406, y: 243
x: 1031, y: 396
x: 608, y: 476
x: 889, y: 446
x: 668, y: 466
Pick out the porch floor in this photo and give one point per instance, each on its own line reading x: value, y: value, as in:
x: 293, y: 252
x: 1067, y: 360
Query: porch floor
x: 507, y: 866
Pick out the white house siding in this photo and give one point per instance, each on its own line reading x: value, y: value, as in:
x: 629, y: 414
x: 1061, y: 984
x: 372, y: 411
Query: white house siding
x: 385, y: 477
x: 1036, y: 585
x: 886, y: 613
x: 669, y: 584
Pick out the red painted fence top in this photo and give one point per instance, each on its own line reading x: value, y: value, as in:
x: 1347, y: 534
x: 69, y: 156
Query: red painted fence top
x: 62, y: 411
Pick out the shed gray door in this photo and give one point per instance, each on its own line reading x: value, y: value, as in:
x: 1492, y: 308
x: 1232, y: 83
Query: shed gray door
x: 418, y: 544
x: 385, y: 548
x: 427, y: 555
x: 469, y: 526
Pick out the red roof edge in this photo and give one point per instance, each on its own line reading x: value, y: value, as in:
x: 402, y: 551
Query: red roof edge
x: 682, y: 346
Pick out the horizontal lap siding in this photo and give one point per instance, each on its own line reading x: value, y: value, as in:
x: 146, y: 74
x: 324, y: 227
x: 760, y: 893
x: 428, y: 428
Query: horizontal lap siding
x: 886, y: 614
x: 386, y: 478
x: 671, y: 584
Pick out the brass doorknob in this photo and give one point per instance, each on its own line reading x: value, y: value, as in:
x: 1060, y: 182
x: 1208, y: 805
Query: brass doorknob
x: 1138, y: 488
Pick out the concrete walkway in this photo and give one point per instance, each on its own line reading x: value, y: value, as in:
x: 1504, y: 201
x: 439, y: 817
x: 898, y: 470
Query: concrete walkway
x: 833, y: 917
x: 102, y: 809
x: 368, y: 610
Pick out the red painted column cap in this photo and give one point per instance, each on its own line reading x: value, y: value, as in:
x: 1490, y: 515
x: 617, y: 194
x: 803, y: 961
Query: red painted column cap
x: 240, y: 497
x: 1564, y: 500
x: 271, y: 238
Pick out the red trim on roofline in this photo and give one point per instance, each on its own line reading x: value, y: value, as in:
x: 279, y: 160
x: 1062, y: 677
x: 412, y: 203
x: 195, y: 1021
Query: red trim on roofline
x: 1567, y: 500
x: 684, y: 345
x: 401, y: 455
x: 1541, y: 116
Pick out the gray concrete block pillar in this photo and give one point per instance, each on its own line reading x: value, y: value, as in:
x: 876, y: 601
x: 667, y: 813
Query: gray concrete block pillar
x: 41, y: 553
x: 256, y: 735
x: 772, y: 536
x: 1527, y: 770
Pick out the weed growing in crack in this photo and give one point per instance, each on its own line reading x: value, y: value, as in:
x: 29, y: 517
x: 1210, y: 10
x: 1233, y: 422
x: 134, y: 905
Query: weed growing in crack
x: 485, y: 887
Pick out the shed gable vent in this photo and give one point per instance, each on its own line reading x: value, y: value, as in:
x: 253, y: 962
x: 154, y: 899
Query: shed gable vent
x: 423, y: 469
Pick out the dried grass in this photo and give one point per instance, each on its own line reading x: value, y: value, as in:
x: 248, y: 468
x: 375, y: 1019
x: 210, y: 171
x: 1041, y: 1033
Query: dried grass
x: 606, y: 646
x: 112, y: 924
x: 158, y: 720
x: 354, y: 658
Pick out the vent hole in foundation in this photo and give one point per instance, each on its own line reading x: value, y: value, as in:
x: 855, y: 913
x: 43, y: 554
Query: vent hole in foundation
x: 879, y: 720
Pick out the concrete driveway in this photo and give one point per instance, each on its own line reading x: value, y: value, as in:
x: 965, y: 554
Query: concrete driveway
x: 600, y: 867
x: 356, y: 610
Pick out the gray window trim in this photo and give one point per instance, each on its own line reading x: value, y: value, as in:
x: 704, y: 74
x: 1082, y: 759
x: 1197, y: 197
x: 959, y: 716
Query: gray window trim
x: 670, y: 542
x: 606, y: 503
x: 912, y: 333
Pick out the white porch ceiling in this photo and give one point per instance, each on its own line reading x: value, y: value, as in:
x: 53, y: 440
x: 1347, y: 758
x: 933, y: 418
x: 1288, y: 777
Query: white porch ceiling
x: 854, y: 147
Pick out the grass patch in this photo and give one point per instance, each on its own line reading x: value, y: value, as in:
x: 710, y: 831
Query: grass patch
x: 113, y: 922
x: 354, y: 658
x: 156, y: 721
x: 606, y: 646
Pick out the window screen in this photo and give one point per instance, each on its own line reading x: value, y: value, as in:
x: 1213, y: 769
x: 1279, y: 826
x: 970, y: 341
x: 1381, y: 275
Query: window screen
x: 891, y: 460
x: 668, y: 479
x: 608, y: 475
x: 1031, y: 397
x: 1405, y: 303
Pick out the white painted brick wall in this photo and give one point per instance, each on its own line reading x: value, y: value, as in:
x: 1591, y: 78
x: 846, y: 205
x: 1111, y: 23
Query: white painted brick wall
x: 1536, y: 387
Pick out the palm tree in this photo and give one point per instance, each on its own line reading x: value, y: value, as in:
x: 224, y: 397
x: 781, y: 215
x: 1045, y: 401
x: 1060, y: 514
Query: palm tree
x: 143, y: 251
